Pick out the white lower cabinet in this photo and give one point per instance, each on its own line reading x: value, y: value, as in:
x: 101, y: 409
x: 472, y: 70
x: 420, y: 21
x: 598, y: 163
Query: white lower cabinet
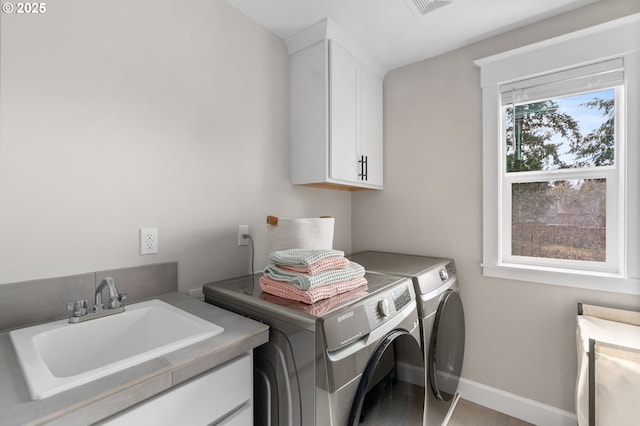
x: 221, y: 396
x: 241, y: 417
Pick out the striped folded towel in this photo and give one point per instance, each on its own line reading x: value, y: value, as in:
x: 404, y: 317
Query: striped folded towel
x: 313, y: 295
x: 321, y: 306
x: 305, y: 282
x: 321, y: 265
x: 302, y: 257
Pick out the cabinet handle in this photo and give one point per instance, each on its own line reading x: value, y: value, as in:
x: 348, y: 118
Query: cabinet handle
x: 361, y: 167
x: 366, y: 168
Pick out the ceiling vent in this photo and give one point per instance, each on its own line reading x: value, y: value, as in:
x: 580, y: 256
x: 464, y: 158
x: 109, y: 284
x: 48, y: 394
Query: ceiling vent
x: 422, y: 7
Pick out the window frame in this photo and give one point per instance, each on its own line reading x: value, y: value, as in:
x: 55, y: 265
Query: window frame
x: 615, y: 223
x: 612, y: 40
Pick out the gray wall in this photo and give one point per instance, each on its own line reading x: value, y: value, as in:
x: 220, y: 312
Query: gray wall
x: 120, y: 114
x: 521, y: 336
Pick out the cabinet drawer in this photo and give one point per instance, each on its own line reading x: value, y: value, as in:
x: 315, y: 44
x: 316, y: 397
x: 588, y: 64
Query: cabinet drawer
x: 200, y: 401
x: 242, y: 417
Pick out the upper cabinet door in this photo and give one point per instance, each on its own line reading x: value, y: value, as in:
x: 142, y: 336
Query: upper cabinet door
x: 344, y: 119
x: 370, y: 129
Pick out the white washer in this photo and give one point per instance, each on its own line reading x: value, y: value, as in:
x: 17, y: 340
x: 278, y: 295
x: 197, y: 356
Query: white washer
x: 441, y: 320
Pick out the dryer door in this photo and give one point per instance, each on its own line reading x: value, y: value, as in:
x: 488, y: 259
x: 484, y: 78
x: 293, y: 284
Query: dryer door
x: 392, y: 384
x: 446, y: 349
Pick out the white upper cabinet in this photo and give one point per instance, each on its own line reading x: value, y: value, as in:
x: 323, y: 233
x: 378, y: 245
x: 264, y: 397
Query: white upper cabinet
x: 370, y: 125
x: 336, y: 111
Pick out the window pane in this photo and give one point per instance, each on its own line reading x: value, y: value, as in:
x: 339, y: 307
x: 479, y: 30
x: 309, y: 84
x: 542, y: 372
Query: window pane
x: 560, y: 219
x: 560, y: 133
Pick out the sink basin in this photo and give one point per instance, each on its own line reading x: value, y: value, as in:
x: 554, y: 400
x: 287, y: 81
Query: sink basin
x: 58, y: 356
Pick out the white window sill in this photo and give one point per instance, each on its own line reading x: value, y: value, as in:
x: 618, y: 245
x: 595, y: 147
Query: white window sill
x: 564, y: 277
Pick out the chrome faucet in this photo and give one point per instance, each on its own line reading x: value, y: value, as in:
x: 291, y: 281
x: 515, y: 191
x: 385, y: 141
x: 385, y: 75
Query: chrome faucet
x: 115, y: 299
x: 79, y: 311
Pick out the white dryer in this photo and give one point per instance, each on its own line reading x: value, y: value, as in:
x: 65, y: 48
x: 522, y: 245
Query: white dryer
x: 441, y: 320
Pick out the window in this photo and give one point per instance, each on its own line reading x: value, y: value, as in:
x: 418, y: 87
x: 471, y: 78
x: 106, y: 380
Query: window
x: 561, y: 160
x: 560, y: 180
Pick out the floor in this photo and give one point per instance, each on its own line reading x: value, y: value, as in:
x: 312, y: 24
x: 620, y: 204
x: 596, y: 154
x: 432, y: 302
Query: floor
x: 390, y: 397
x: 467, y: 413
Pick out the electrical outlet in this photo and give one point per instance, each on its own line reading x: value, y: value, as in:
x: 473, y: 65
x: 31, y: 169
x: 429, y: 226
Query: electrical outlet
x: 243, y: 230
x: 148, y: 240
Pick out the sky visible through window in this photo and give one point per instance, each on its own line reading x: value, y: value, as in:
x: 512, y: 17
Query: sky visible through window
x: 564, y: 132
x: 589, y: 119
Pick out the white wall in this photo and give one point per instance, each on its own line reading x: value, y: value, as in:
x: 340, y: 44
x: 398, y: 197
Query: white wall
x: 120, y: 114
x: 520, y: 335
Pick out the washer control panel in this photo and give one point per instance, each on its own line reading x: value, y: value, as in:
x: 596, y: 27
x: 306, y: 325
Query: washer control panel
x: 359, y: 320
x: 382, y: 308
x: 436, y: 277
x: 402, y: 299
x: 450, y: 269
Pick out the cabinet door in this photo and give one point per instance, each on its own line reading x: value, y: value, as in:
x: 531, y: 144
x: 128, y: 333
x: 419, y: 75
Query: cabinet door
x: 370, y: 126
x: 310, y: 114
x: 202, y: 400
x: 343, y: 94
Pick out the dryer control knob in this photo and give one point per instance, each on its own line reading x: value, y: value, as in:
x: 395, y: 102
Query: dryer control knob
x: 383, y: 307
x: 444, y: 275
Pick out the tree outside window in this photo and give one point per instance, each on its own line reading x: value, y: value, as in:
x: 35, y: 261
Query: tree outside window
x: 560, y: 218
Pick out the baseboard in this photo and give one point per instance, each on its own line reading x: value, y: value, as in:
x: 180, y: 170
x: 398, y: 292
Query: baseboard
x: 410, y: 373
x: 514, y: 405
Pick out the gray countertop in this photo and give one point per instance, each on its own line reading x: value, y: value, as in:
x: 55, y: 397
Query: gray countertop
x: 103, y: 397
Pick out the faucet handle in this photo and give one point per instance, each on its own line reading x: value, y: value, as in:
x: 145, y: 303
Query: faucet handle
x: 77, y: 308
x: 116, y: 302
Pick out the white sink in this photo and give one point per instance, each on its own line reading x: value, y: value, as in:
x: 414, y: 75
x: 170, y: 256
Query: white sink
x: 58, y: 356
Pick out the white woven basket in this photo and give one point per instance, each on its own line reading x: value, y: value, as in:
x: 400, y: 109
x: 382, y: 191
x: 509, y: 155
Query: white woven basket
x: 306, y: 233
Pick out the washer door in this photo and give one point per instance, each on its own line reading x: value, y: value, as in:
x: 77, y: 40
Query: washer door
x: 392, y: 384
x: 446, y: 349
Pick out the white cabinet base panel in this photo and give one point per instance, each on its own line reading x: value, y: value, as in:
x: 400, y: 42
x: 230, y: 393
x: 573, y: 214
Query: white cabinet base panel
x: 220, y: 396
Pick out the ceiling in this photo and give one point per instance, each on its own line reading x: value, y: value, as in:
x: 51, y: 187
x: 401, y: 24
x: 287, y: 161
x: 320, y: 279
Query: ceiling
x: 394, y: 33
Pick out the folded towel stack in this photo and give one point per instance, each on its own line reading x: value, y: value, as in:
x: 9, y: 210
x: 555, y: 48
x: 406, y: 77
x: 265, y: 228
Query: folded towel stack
x: 310, y: 275
x: 321, y: 306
